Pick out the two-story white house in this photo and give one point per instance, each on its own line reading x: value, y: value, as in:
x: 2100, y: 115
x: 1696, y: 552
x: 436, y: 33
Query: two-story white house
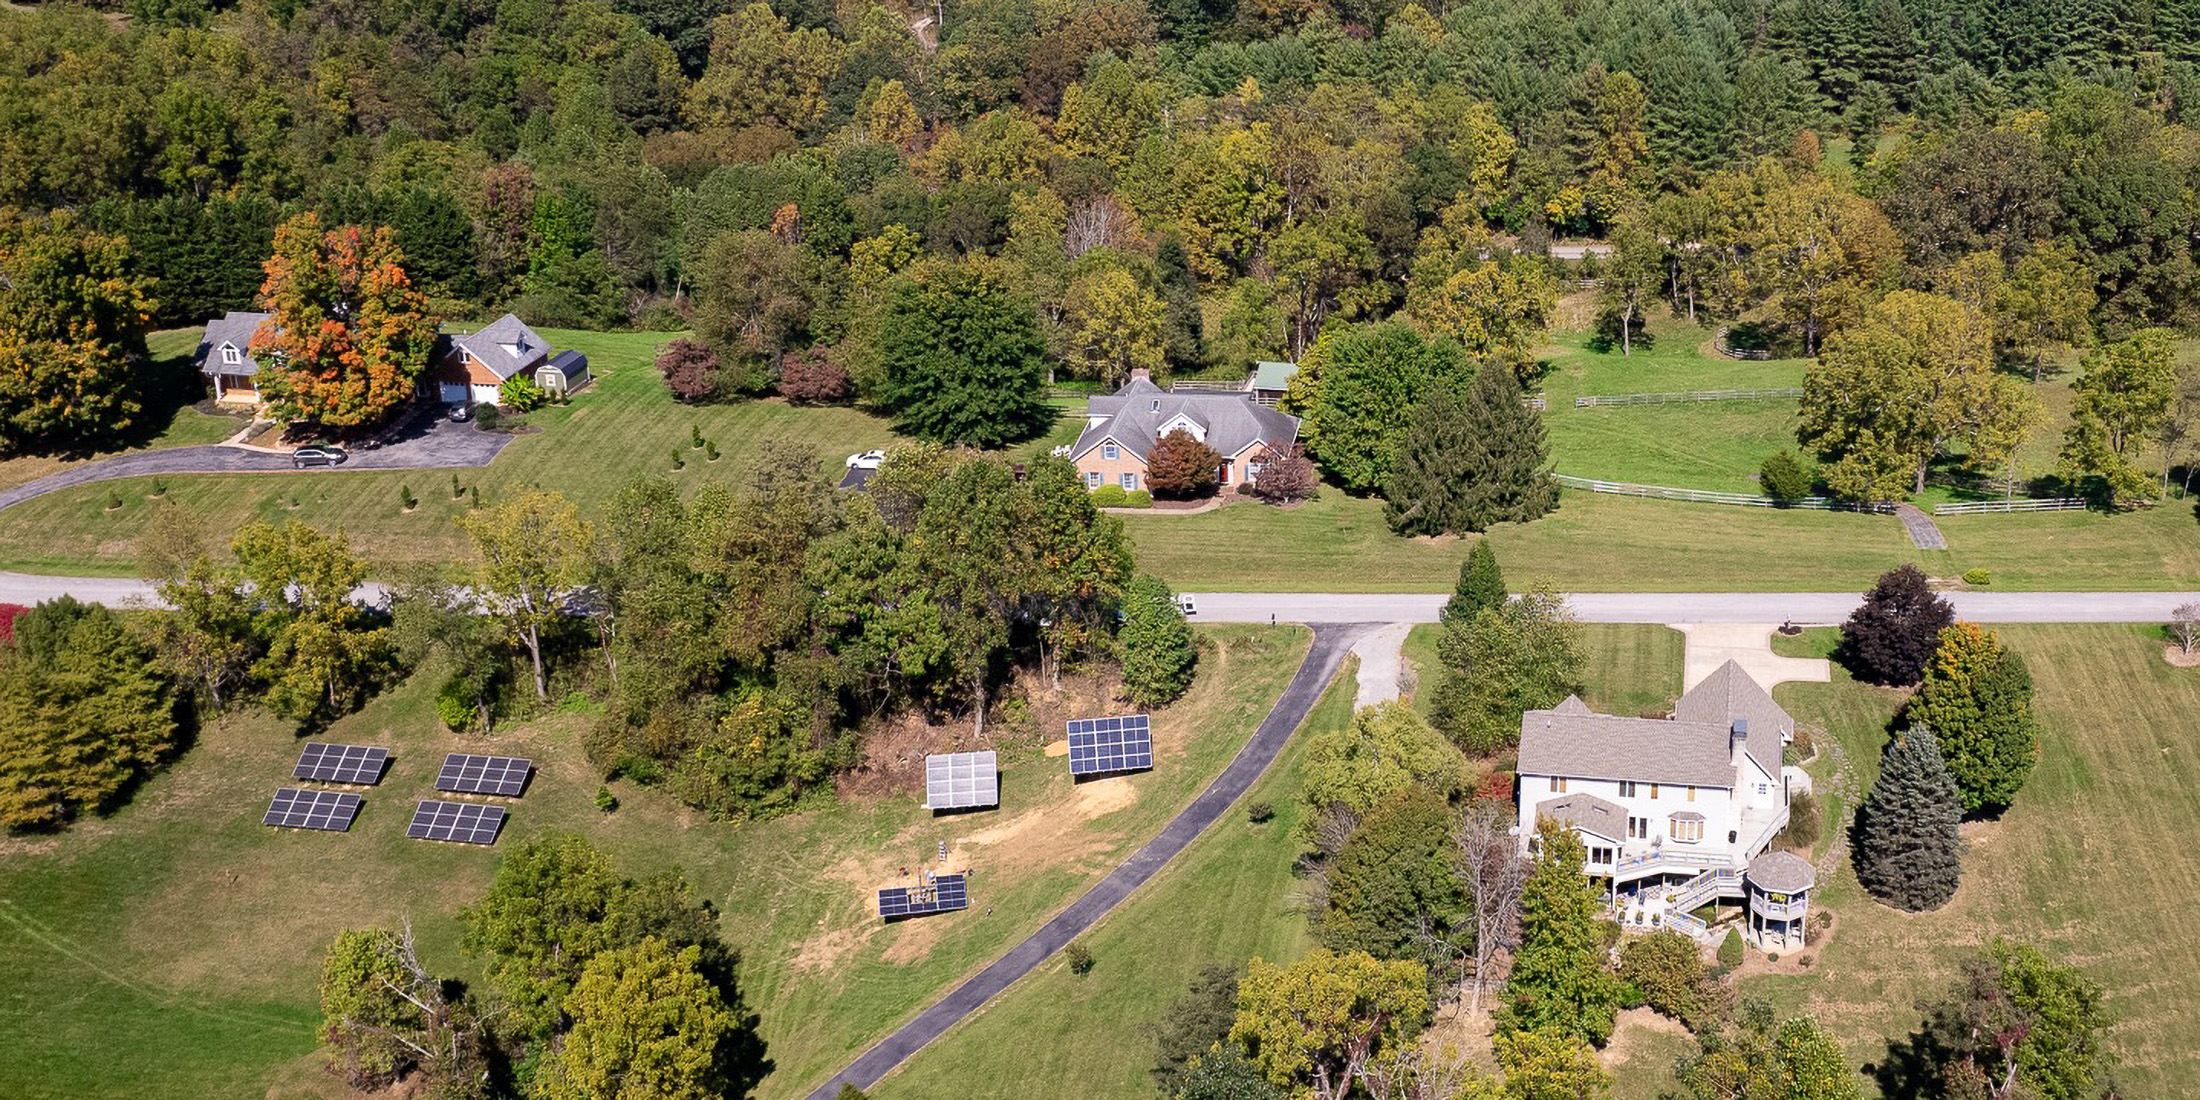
x: 1689, y: 801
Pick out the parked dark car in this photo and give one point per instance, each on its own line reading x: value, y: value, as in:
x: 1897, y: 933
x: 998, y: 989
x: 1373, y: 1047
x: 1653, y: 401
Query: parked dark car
x: 304, y: 457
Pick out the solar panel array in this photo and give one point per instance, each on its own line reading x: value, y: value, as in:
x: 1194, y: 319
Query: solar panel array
x: 356, y: 764
x: 463, y: 822
x: 470, y: 774
x: 958, y: 780
x: 1099, y: 746
x: 296, y: 809
x: 948, y: 892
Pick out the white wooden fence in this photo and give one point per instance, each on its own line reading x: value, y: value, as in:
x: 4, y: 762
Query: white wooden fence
x: 1719, y: 344
x: 1706, y: 496
x: 1692, y: 395
x: 1981, y: 507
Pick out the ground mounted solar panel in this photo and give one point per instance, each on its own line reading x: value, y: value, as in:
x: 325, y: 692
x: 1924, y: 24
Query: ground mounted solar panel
x: 360, y: 765
x: 461, y: 822
x: 466, y: 773
x: 1102, y: 746
x: 332, y: 811
x: 944, y: 894
x: 961, y: 780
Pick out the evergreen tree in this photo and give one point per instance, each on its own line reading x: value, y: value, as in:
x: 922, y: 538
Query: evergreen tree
x: 1558, y: 978
x: 1507, y: 462
x: 83, y: 714
x: 1481, y: 585
x: 1907, y: 853
x: 1977, y: 697
x: 1430, y: 478
x: 1158, y: 654
x: 1889, y: 639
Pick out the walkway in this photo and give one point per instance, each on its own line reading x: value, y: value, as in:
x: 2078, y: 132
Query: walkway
x: 431, y: 443
x: 1382, y: 663
x: 1823, y: 608
x: 1306, y: 687
x: 1748, y: 645
x: 1924, y: 533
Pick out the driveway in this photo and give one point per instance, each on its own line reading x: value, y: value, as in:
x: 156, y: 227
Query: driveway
x: 1748, y: 645
x: 426, y: 443
x: 1330, y: 644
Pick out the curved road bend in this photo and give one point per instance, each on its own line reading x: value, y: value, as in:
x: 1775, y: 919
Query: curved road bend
x: 1331, y: 642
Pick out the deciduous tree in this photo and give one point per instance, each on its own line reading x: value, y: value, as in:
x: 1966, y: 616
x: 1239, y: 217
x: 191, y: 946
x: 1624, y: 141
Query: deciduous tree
x: 1317, y: 1023
x: 1180, y: 465
x: 347, y: 335
x: 646, y: 1024
x: 1977, y: 698
x: 1111, y: 326
x: 1891, y: 636
x: 1394, y: 889
x: 2124, y: 398
x: 1387, y: 748
x: 1522, y: 655
x: 964, y: 361
x: 1558, y: 981
x: 1358, y: 389
x: 690, y: 368
x: 531, y: 554
x: 2020, y: 1024
x: 1286, y: 478
x: 72, y: 335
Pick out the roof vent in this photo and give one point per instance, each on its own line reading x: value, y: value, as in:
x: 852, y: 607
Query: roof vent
x: 1741, y: 728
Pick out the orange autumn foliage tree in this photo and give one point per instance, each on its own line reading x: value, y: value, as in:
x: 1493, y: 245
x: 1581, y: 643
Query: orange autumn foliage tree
x: 347, y: 336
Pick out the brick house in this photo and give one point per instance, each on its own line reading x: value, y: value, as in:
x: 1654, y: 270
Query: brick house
x: 1121, y: 428
x: 467, y: 368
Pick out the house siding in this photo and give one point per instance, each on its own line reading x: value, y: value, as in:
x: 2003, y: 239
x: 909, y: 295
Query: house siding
x: 1111, y: 471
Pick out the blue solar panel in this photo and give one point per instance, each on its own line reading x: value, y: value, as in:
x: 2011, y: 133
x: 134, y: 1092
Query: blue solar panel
x: 1099, y: 746
x: 947, y: 892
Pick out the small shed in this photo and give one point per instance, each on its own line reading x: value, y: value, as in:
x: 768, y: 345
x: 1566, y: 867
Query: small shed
x: 566, y: 372
x: 1270, y: 380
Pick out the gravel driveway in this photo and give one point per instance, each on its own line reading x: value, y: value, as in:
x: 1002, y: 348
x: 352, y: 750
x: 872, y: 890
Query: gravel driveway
x: 427, y: 443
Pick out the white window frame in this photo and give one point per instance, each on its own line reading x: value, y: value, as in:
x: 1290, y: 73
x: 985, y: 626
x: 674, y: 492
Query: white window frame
x: 1109, y: 452
x: 231, y: 356
x: 1129, y: 481
x: 1092, y: 479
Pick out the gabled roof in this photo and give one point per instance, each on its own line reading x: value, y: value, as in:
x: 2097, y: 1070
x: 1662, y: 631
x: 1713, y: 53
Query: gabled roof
x: 1730, y: 693
x: 234, y: 328
x: 1587, y: 812
x: 1133, y: 415
x: 1572, y: 705
x: 1646, y: 750
x: 487, y: 346
x: 1273, y: 376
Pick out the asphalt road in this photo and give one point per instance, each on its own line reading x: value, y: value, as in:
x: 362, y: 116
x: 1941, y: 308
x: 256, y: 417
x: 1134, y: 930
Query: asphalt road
x: 1695, y: 607
x: 1331, y: 642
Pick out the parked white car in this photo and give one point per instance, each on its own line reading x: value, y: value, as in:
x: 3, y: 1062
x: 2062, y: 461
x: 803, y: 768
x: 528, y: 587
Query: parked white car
x: 1185, y: 602
x: 868, y: 460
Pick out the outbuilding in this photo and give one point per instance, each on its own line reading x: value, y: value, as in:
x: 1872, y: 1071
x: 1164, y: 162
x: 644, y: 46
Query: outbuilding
x: 566, y: 372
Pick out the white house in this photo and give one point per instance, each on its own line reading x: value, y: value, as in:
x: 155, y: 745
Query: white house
x: 1679, y: 810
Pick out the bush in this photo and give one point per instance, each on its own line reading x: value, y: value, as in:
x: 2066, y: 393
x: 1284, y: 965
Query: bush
x: 1730, y: 949
x: 710, y: 450
x: 679, y: 461
x: 405, y: 498
x: 1079, y: 957
x: 1978, y: 578
x: 1286, y: 479
x: 456, y: 705
x: 488, y: 417
x: 1785, y: 478
x: 1260, y: 813
x: 605, y: 800
x: 1667, y: 967
x: 690, y: 369
x: 812, y: 377
x: 1138, y: 498
x: 457, y: 490
x: 1182, y: 466
x: 520, y: 394
x: 1803, y: 824
x: 114, y: 500
x: 1109, y: 496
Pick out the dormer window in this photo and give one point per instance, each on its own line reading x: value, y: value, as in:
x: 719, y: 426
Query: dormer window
x: 231, y: 355
x: 1156, y: 404
x: 512, y: 349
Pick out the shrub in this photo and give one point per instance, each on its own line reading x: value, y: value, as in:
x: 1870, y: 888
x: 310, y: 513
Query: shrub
x: 1803, y: 824
x: 1138, y: 498
x: 1286, y: 479
x: 1109, y: 496
x: 1978, y: 578
x: 405, y: 498
x: 679, y: 461
x: 1667, y: 967
x: 1260, y: 813
x: 710, y: 450
x: 160, y: 487
x: 1785, y: 478
x: 690, y: 369
x: 488, y: 417
x: 520, y: 394
x: 114, y: 500
x: 812, y: 378
x: 605, y: 800
x: 1079, y: 957
x: 456, y: 704
x: 457, y: 490
x: 473, y: 498
x: 1730, y: 949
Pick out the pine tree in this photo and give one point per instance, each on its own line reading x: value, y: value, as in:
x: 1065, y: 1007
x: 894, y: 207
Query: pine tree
x: 1889, y: 639
x: 1558, y: 978
x: 1508, y: 456
x: 1157, y: 644
x: 1481, y: 584
x: 1426, y: 492
x: 1977, y: 696
x: 1907, y: 852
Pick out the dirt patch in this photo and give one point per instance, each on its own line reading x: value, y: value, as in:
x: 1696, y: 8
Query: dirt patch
x: 1105, y: 796
x: 2180, y: 658
x: 1028, y: 710
x: 1057, y: 749
x: 826, y: 950
x: 913, y: 940
x: 1632, y: 1032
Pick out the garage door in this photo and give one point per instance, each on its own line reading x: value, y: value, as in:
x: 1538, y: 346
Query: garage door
x: 454, y: 393
x: 484, y: 395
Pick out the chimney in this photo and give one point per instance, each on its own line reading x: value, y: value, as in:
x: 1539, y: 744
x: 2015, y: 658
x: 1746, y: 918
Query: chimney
x: 1141, y: 374
x: 1739, y: 743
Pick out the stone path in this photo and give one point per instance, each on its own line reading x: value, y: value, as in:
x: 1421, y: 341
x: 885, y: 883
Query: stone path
x: 1382, y: 663
x: 1749, y: 645
x: 1924, y: 533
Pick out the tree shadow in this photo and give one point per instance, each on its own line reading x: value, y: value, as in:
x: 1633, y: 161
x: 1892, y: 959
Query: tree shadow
x: 1912, y: 1069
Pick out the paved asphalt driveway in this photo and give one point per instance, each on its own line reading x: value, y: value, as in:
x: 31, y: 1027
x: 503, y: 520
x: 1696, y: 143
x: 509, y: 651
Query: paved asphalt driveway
x: 1696, y: 607
x: 1331, y: 642
x: 426, y: 443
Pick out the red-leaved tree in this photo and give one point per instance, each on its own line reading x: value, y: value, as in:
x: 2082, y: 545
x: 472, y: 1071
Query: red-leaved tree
x: 347, y: 336
x: 812, y: 378
x: 690, y: 369
x: 1286, y: 478
x: 1180, y: 465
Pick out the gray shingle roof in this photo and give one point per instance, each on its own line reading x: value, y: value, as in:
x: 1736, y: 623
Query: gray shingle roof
x: 1133, y: 416
x: 1730, y: 693
x: 487, y: 345
x: 1586, y: 811
x: 1782, y: 872
x: 236, y: 328
x: 1646, y: 750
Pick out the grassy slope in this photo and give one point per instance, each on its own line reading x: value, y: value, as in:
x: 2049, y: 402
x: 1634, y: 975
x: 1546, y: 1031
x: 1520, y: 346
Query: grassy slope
x: 163, y: 426
x: 1631, y: 668
x: 172, y: 949
x: 2087, y: 864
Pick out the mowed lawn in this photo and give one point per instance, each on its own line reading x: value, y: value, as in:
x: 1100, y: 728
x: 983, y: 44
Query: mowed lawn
x: 173, y: 948
x: 2092, y: 863
x: 1628, y: 668
x: 160, y: 426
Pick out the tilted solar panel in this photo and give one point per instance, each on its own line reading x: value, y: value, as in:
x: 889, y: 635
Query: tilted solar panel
x: 946, y: 893
x: 355, y: 764
x: 461, y: 822
x: 1099, y: 746
x: 467, y: 773
x: 331, y: 811
x: 961, y: 780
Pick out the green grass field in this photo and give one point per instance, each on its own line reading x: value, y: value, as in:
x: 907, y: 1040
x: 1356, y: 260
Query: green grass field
x: 172, y: 949
x: 1631, y: 668
x: 163, y: 426
x: 2089, y: 864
